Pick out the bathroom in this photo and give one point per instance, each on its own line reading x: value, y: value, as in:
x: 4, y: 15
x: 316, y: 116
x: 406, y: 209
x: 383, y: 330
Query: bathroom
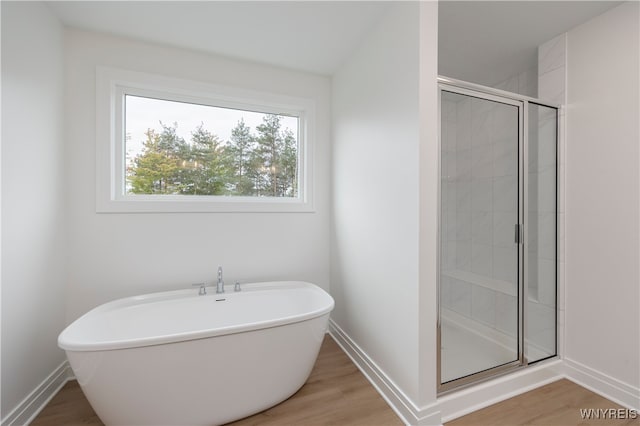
x: 371, y: 239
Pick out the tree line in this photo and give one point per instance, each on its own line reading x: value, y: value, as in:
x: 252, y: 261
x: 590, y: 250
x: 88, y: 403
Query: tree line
x: 260, y: 164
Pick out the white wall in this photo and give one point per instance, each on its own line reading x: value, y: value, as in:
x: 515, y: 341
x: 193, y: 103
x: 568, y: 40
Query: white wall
x: 602, y: 195
x: 376, y: 101
x: 116, y: 255
x: 33, y: 199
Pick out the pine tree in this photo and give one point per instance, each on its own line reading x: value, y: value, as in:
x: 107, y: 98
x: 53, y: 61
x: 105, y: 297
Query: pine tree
x: 275, y: 159
x: 247, y: 165
x: 267, y: 154
x: 205, y: 166
x: 239, y: 150
x: 289, y: 165
x: 154, y: 170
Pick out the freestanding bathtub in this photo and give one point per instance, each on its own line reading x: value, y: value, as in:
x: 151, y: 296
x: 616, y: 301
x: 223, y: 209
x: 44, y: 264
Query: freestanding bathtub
x: 179, y: 358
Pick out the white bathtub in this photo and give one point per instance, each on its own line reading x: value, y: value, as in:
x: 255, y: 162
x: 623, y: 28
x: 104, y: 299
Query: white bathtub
x: 177, y: 358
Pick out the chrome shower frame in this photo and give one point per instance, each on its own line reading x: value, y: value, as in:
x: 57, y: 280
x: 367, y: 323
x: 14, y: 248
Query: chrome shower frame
x: 522, y: 103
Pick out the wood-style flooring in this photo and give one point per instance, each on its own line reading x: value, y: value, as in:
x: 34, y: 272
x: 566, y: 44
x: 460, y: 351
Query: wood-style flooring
x: 556, y: 404
x: 338, y: 394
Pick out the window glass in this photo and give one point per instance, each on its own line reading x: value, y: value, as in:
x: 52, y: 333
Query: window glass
x: 180, y: 148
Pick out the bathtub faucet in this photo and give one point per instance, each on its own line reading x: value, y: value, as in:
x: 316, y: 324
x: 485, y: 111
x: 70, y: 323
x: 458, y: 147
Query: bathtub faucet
x: 220, y: 286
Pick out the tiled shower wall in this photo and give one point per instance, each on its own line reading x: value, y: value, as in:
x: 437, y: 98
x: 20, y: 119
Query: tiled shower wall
x: 479, y: 211
x: 542, y: 256
x: 478, y: 255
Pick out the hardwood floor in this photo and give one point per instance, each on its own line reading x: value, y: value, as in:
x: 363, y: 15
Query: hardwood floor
x: 335, y: 394
x: 338, y: 394
x: 556, y: 404
x: 68, y: 407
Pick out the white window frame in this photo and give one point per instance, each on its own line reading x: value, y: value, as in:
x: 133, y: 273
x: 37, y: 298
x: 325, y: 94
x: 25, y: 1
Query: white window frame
x: 111, y: 87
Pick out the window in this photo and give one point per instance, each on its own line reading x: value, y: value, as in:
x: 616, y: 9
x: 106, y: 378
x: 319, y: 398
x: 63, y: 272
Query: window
x: 168, y: 145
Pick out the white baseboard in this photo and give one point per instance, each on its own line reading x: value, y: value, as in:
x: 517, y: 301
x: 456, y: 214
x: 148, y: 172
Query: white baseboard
x: 397, y: 400
x: 29, y: 408
x: 602, y: 384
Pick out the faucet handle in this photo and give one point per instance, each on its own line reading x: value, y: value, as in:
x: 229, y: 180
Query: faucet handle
x: 237, y: 286
x: 203, y: 288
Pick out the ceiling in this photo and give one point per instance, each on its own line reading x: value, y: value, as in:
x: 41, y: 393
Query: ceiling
x: 314, y: 36
x: 480, y: 41
x: 488, y: 42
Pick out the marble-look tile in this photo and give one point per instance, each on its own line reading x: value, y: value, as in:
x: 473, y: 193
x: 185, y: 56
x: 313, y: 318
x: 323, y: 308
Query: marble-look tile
x: 545, y: 195
x: 480, y: 122
x: 545, y: 143
x: 510, y: 85
x: 483, y: 305
x: 539, y: 317
x: 541, y: 155
x: 546, y: 278
x: 507, y: 314
x: 542, y: 278
x: 464, y: 196
x: 445, y: 291
x: 463, y: 164
x: 505, y: 157
x: 444, y: 138
x: 552, y: 54
x: 448, y: 107
x: 481, y: 197
x: 531, y: 89
x: 543, y: 113
x: 533, y: 234
x: 461, y: 297
x: 450, y: 227
x: 482, y: 161
x: 551, y: 86
x: 463, y: 226
x: 452, y: 128
x: 505, y: 194
x: 444, y: 159
x: 532, y: 275
x: 482, y: 227
x: 528, y: 82
x: 449, y: 165
x: 463, y: 125
x: 449, y: 198
x: 505, y: 264
x: 482, y: 259
x: 505, y: 122
x: 448, y: 259
x: 463, y: 256
x: 547, y: 236
x: 541, y: 345
x: 504, y: 229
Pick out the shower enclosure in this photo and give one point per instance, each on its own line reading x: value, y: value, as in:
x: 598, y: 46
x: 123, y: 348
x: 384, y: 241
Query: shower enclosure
x: 498, y: 203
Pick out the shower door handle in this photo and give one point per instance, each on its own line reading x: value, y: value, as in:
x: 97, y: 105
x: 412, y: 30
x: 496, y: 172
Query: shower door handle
x: 518, y: 234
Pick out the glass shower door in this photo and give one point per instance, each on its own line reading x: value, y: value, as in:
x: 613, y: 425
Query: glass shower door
x: 541, y: 247
x: 480, y: 253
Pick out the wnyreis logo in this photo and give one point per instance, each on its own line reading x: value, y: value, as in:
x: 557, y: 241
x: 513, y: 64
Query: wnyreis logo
x: 608, y: 414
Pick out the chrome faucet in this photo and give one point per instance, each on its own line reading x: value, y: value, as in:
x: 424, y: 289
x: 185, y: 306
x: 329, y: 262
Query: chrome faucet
x: 203, y: 288
x: 220, y: 286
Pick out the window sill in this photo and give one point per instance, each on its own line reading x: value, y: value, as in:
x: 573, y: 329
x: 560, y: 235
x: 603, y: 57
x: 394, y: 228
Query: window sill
x: 200, y: 204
